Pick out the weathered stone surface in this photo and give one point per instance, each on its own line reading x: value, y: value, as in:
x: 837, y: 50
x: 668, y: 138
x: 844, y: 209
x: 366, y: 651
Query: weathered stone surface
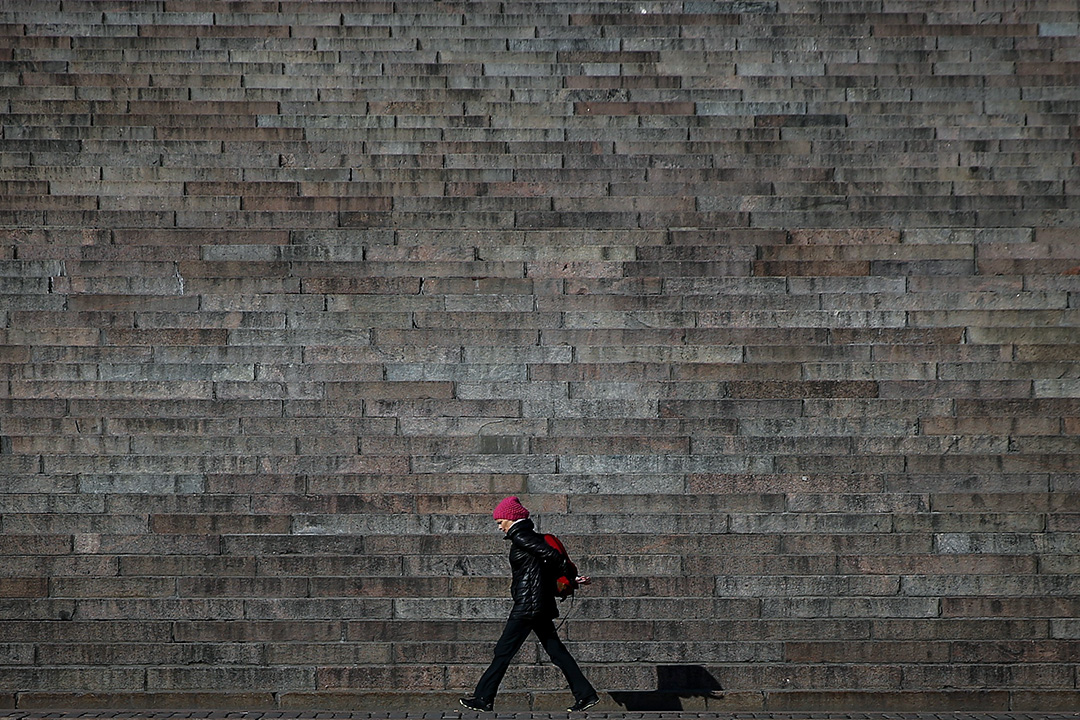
x: 770, y: 309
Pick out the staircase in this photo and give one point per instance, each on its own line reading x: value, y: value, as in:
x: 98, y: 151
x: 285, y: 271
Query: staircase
x: 768, y: 308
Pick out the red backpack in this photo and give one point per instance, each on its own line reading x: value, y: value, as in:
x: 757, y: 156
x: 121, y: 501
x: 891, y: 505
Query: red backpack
x: 565, y: 585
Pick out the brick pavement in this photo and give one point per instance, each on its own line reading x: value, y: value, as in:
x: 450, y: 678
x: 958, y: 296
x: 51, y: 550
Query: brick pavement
x: 452, y: 715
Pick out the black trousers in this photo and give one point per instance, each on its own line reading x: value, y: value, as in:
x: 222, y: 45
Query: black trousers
x: 514, y: 635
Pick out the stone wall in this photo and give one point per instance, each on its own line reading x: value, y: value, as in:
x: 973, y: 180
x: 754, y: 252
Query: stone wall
x: 769, y: 308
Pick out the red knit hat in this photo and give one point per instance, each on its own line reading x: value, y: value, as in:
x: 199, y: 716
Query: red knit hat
x: 510, y: 509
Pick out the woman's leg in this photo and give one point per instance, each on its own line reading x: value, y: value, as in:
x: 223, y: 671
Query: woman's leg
x: 514, y: 634
x: 549, y: 638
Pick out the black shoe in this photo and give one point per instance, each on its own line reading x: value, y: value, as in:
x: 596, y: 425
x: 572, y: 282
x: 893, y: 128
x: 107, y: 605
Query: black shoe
x: 478, y: 704
x: 584, y: 704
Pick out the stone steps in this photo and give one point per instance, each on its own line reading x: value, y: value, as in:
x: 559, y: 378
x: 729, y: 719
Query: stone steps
x: 768, y: 308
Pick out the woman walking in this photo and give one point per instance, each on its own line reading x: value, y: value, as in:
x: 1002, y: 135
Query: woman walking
x: 535, y: 565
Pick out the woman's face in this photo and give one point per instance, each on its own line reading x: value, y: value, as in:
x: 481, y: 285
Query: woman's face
x: 504, y: 525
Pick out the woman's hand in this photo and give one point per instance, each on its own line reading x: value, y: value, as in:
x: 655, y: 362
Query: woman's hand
x: 583, y: 579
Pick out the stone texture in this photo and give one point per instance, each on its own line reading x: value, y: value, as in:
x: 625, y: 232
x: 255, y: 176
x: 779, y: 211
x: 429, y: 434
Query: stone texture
x: 770, y: 308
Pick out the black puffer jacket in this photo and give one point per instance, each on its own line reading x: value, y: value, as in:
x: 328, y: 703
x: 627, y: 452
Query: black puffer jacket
x: 535, y: 566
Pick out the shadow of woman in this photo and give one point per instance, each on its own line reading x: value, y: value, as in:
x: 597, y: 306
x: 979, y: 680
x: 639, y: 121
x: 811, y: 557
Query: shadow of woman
x: 674, y: 684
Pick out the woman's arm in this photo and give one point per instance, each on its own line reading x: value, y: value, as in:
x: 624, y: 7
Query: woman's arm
x: 534, y: 544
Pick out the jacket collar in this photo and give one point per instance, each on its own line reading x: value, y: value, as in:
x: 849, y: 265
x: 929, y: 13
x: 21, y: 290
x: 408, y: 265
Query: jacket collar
x: 519, y: 525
